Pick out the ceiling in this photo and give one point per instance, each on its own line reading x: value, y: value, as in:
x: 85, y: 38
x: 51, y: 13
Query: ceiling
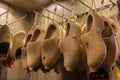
x: 29, y: 4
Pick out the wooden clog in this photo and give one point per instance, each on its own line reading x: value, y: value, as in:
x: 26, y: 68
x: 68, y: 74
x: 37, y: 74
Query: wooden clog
x: 111, y: 44
x: 18, y: 43
x: 72, y: 49
x: 34, y: 49
x: 24, y: 58
x: 24, y: 51
x: 50, y: 45
x: 5, y: 42
x: 116, y: 29
x: 92, y: 40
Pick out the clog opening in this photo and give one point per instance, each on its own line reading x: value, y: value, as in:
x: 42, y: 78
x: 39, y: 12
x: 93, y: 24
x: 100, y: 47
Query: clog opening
x: 89, y: 22
x: 18, y: 53
x: 68, y: 29
x: 4, y: 49
x: 35, y: 35
x: 28, y: 39
x: 107, y: 32
x: 50, y: 31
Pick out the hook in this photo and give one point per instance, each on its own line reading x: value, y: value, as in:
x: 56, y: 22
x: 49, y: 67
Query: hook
x: 55, y: 11
x: 73, y: 10
x: 93, y: 3
x: 105, y: 13
x: 35, y: 18
x: 17, y: 20
x: 48, y: 16
x: 7, y: 15
x: 62, y: 20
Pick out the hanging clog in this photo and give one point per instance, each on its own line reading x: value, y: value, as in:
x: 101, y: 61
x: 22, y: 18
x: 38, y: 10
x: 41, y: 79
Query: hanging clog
x: 92, y: 40
x: 5, y: 42
x: 111, y: 44
x: 18, y: 43
x: 34, y: 49
x: 50, y: 45
x: 116, y: 29
x: 24, y: 51
x: 72, y: 49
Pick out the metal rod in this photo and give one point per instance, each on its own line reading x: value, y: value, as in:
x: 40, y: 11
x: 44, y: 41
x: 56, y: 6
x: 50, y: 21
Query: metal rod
x: 3, y: 13
x: 53, y: 13
x: 73, y: 9
x: 64, y: 7
x: 104, y: 7
x: 49, y: 18
x: 17, y: 20
x: 97, y: 9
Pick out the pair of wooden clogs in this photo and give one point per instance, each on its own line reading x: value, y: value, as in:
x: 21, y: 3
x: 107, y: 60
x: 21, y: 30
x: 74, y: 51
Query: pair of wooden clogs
x: 96, y: 47
x: 42, y: 47
x: 10, y: 45
x: 99, y: 42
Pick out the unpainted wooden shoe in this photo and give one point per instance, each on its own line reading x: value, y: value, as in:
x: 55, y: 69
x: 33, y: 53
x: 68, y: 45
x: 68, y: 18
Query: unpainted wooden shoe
x: 5, y: 42
x: 50, y: 45
x: 34, y: 49
x: 116, y: 29
x: 24, y: 51
x: 18, y: 43
x: 72, y: 49
x: 93, y: 43
x: 109, y: 38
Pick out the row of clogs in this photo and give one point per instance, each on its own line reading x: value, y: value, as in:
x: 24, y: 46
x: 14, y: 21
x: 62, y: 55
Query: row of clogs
x: 96, y: 48
x: 72, y: 49
x: 64, y: 50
